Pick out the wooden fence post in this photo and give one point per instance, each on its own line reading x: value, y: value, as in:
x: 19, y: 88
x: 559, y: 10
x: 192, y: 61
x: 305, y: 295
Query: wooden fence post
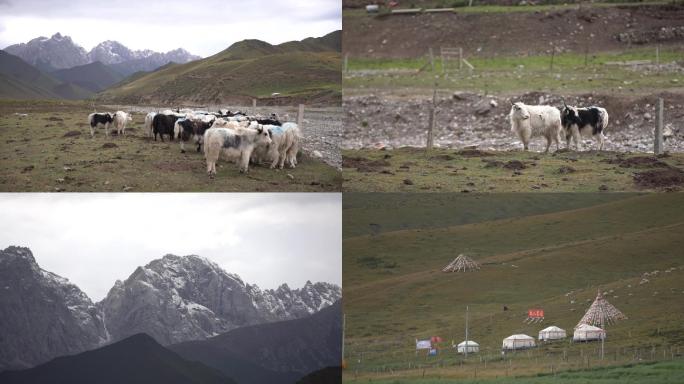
x: 432, y: 59
x: 346, y: 62
x: 300, y: 116
x: 431, y: 121
x: 553, y: 53
x: 658, y: 139
x: 460, y: 58
x: 253, y: 103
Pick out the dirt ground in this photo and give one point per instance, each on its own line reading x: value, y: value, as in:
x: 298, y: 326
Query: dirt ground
x: 482, y: 171
x: 46, y: 146
x: 518, y: 33
x: 398, y: 118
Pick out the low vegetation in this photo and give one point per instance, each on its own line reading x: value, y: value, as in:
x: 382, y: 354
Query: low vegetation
x: 50, y: 149
x: 625, y: 245
x: 448, y: 170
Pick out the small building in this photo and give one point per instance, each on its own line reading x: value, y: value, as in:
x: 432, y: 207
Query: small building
x: 468, y: 346
x: 552, y: 333
x: 519, y: 341
x: 586, y: 332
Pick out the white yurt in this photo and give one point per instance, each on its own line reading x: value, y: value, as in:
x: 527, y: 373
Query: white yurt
x: 586, y: 332
x: 469, y: 345
x: 552, y: 333
x: 519, y: 341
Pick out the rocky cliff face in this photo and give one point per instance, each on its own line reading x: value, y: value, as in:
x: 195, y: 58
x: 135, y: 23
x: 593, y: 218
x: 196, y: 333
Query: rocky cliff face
x: 60, y: 52
x: 176, y: 299
x: 42, y: 315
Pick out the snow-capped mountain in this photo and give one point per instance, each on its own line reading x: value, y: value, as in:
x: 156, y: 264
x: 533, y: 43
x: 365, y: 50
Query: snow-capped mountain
x: 42, y: 315
x: 60, y: 52
x: 176, y: 299
x: 173, y: 299
x: 57, y: 52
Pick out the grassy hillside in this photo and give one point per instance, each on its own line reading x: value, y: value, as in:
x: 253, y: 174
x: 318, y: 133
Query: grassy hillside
x: 93, y: 77
x: 395, y: 292
x: 299, y: 71
x: 20, y: 80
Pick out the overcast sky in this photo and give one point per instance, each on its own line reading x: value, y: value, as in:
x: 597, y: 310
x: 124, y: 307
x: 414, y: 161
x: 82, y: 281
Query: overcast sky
x: 203, y: 27
x: 95, y: 239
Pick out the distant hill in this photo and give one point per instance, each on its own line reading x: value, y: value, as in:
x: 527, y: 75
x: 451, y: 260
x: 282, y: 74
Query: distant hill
x: 21, y: 80
x: 280, y: 352
x: 137, y: 359
x: 94, y: 77
x: 299, y: 71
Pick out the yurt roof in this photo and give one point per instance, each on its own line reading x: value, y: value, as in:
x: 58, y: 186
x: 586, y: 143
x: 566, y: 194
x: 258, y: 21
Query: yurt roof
x: 587, y: 327
x: 470, y: 344
x: 552, y: 328
x: 519, y: 337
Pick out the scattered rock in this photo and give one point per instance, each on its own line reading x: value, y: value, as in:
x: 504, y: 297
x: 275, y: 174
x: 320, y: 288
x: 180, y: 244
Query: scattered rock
x: 603, y: 187
x: 317, y: 154
x: 290, y: 176
x: 514, y: 164
x: 109, y: 145
x: 28, y: 168
x: 408, y: 182
x: 72, y: 134
x: 565, y: 169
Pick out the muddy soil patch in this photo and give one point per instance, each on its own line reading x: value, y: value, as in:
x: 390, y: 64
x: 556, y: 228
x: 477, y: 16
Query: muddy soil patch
x: 660, y: 178
x: 638, y: 162
x: 364, y: 165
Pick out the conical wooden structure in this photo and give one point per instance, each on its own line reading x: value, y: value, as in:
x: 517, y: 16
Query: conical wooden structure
x: 462, y: 263
x: 601, y: 313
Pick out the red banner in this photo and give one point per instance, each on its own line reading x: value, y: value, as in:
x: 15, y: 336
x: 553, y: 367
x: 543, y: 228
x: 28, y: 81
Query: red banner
x: 535, y: 313
x: 436, y: 339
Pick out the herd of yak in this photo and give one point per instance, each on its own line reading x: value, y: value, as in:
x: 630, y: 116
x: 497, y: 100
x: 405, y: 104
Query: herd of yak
x: 234, y: 136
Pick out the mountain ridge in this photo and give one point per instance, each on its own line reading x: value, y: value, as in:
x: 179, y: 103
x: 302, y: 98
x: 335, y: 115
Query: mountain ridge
x: 61, y: 52
x: 174, y: 298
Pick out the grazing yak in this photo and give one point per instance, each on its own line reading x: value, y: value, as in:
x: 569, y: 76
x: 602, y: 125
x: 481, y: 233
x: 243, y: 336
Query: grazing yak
x: 148, y: 123
x: 119, y: 120
x: 233, y: 143
x: 192, y: 126
x: 97, y: 119
x: 528, y: 121
x: 163, y: 124
x: 578, y: 122
x: 284, y: 147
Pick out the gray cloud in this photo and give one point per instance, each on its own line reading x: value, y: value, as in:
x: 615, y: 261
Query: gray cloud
x: 203, y: 27
x: 95, y: 239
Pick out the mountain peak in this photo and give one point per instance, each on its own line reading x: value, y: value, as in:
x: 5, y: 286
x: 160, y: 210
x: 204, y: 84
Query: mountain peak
x: 18, y: 252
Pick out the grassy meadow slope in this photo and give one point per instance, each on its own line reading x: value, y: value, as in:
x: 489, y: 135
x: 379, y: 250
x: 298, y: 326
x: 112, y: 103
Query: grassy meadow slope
x: 395, y: 292
x: 300, y: 71
x: 93, y: 76
x: 20, y: 80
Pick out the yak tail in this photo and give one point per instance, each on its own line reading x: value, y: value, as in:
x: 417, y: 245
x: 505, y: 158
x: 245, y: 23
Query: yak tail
x: 603, y: 119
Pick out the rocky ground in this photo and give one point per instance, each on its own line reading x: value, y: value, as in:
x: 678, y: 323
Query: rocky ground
x: 397, y: 119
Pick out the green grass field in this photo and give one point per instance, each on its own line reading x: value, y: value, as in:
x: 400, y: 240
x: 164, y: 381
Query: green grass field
x: 572, y: 72
x: 553, y: 255
x: 448, y: 170
x: 51, y: 150
x: 664, y: 372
